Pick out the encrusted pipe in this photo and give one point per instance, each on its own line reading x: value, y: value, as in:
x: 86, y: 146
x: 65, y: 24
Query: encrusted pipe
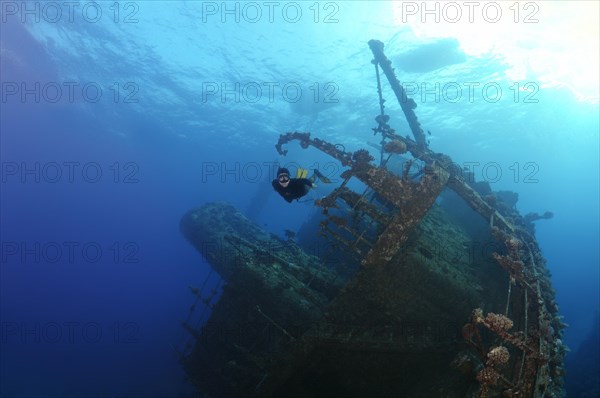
x: 525, y: 332
x: 510, y: 282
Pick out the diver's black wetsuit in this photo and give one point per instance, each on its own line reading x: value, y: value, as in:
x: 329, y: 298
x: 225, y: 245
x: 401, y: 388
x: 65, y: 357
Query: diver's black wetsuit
x: 297, y: 188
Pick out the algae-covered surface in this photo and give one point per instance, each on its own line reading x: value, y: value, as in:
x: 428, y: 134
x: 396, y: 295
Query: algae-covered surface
x: 295, y: 328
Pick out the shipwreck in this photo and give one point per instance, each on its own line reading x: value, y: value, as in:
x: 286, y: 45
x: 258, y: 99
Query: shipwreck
x: 427, y: 284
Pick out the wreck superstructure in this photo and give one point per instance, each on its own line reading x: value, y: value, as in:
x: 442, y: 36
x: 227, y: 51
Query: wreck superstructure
x: 409, y: 321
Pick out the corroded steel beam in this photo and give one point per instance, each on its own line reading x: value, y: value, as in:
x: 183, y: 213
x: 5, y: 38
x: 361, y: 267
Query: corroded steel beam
x: 407, y: 104
x: 334, y: 151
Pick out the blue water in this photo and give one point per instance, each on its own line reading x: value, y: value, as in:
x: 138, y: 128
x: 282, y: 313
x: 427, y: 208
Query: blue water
x: 118, y: 117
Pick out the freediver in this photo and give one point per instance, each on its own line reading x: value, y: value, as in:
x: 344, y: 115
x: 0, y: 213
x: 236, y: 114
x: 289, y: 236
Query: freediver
x: 295, y: 188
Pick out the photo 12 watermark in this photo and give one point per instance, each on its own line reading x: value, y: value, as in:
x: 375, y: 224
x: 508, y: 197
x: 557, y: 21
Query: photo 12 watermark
x: 491, y: 171
x: 93, y: 12
x: 70, y: 172
x: 291, y: 12
x: 470, y: 92
x: 261, y: 172
x: 471, y: 253
x: 453, y: 12
x: 68, y: 252
x: 269, y: 92
x: 68, y: 92
x: 69, y: 332
x: 397, y: 336
x: 234, y: 253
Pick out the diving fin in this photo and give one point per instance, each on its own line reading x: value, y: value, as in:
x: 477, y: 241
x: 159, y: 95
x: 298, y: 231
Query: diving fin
x: 301, y: 173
